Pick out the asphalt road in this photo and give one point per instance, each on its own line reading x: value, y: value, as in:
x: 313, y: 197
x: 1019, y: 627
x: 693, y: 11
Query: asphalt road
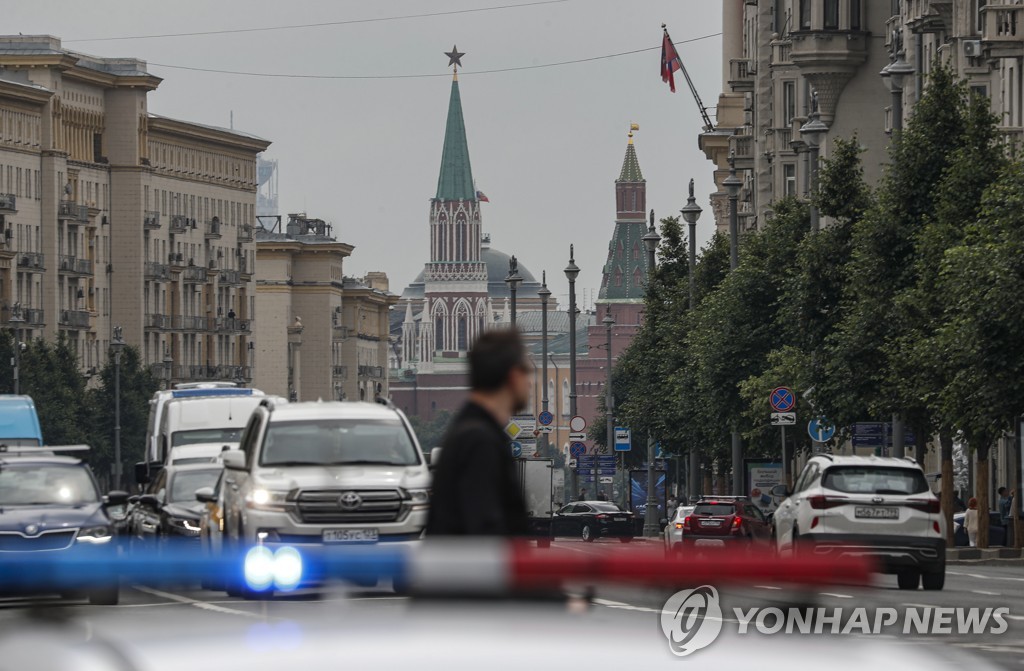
x: 159, y: 609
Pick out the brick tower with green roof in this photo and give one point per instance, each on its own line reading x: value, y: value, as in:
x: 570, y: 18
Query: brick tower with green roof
x: 625, y: 272
x: 455, y: 306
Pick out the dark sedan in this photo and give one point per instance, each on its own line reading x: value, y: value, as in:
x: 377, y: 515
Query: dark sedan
x: 725, y: 520
x: 591, y: 520
x: 168, y: 508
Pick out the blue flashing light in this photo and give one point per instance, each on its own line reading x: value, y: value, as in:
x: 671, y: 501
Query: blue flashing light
x: 259, y: 568
x: 287, y: 569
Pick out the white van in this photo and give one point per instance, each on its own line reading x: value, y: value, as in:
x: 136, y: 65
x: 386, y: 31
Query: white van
x: 200, y: 427
x: 190, y: 390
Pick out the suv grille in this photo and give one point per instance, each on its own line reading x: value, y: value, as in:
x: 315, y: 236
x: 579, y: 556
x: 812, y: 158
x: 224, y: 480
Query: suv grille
x: 56, y: 540
x: 326, y: 506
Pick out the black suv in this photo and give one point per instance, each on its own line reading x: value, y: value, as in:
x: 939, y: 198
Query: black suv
x: 51, y: 509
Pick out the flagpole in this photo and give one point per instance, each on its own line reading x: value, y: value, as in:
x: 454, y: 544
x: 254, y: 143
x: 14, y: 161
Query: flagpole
x: 708, y: 126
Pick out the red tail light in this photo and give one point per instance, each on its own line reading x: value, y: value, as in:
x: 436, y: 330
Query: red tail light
x: 680, y: 525
x: 690, y: 521
x: 814, y: 522
x: 930, y: 506
x: 822, y: 502
x: 935, y: 525
x: 736, y: 522
x: 602, y: 516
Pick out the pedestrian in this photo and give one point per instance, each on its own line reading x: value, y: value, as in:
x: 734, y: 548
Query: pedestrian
x: 231, y: 313
x: 1004, y: 505
x: 971, y: 522
x: 601, y: 496
x: 583, y: 495
x: 476, y: 491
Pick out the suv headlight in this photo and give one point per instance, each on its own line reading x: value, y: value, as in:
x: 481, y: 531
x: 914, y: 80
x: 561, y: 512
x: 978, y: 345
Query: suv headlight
x: 419, y: 497
x: 95, y: 535
x: 184, y: 525
x: 267, y: 499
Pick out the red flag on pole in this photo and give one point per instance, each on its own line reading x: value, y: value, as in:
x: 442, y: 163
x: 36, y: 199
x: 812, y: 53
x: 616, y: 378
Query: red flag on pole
x: 669, y: 62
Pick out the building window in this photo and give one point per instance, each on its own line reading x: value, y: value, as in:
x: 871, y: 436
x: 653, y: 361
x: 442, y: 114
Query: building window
x: 805, y: 14
x: 979, y: 24
x: 831, y: 14
x: 636, y: 252
x: 619, y: 249
x: 788, y: 103
x: 789, y: 178
x: 463, y: 335
x: 855, y: 22
x: 638, y: 277
x: 439, y: 334
x: 565, y: 398
x: 618, y: 277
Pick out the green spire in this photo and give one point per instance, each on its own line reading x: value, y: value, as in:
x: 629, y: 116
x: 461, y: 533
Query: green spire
x: 456, y: 179
x: 630, y: 166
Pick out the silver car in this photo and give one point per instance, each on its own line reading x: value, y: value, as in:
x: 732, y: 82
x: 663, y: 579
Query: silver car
x: 674, y: 529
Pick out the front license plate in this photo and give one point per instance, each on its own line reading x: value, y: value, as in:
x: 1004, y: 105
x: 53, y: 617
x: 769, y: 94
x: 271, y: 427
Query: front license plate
x: 876, y: 513
x: 350, y: 535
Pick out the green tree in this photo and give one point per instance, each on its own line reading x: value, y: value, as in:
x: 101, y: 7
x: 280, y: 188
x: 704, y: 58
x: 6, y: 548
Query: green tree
x: 138, y: 384
x: 50, y: 375
x: 430, y: 433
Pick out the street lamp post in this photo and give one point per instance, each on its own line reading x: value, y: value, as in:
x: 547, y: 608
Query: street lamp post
x: 513, y: 280
x: 814, y: 132
x: 16, y: 321
x: 572, y: 271
x: 651, y: 523
x: 609, y: 398
x: 691, y: 213
x: 732, y: 185
x: 117, y: 345
x: 544, y: 294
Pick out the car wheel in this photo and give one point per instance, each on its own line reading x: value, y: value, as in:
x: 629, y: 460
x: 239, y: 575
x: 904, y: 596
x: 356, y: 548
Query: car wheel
x: 107, y: 596
x: 625, y: 539
x: 586, y: 534
x: 908, y: 579
x: 934, y: 580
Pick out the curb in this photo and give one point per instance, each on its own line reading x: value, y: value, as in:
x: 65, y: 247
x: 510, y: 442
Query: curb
x: 985, y: 562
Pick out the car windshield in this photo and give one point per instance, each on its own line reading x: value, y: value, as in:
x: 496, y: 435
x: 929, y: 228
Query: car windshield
x: 875, y: 480
x: 339, y: 442
x: 606, y: 507
x: 713, y: 509
x: 683, y: 511
x: 185, y: 483
x: 50, y: 484
x: 197, y: 436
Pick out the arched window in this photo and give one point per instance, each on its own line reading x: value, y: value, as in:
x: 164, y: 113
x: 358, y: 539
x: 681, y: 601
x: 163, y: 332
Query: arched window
x: 638, y: 277
x: 441, y: 243
x: 463, y: 336
x: 618, y: 277
x: 619, y: 250
x: 636, y: 252
x: 565, y: 398
x: 551, y: 392
x: 439, y: 333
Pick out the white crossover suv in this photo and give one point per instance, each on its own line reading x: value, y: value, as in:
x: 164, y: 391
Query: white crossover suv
x: 880, y: 507
x: 319, y: 474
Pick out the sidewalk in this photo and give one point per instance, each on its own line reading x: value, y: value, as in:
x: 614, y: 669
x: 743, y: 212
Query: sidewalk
x: 998, y: 556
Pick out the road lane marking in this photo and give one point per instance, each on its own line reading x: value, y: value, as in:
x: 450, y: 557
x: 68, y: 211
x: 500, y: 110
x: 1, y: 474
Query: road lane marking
x: 985, y: 577
x: 767, y: 587
x: 837, y: 596
x: 625, y: 606
x: 195, y: 602
x: 983, y: 592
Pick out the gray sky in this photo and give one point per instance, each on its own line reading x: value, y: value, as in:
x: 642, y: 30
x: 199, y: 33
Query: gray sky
x: 546, y: 144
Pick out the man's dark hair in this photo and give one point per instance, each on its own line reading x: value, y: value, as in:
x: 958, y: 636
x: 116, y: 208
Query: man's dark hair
x: 1001, y: 491
x: 492, y: 358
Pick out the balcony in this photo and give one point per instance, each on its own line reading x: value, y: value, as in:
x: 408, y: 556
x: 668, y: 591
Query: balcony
x: 176, y: 260
x: 33, y: 317
x: 1003, y: 30
x: 783, y: 137
x: 231, y: 325
x: 828, y: 59
x: 75, y: 266
x: 157, y: 271
x: 245, y: 233
x: 230, y: 277
x: 371, y: 371
x: 179, y: 223
x: 72, y: 212
x: 339, y: 372
x: 8, y: 203
x: 741, y: 75
x: 782, y: 53
x: 158, y: 321
x: 151, y: 220
x: 193, y: 323
x: 743, y: 145
x: 75, y: 319
x: 31, y: 262
x: 200, y: 373
x: 243, y: 269
x: 213, y: 229
x: 1012, y: 140
x: 194, y: 275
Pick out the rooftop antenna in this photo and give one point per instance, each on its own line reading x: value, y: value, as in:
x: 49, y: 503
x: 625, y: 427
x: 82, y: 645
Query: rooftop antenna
x: 232, y: 119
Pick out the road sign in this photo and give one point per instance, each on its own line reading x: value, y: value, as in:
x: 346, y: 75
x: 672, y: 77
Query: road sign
x: 572, y: 463
x: 782, y: 399
x: 623, y: 439
x: 820, y: 430
x: 783, y: 418
x: 578, y: 435
x: 602, y: 459
x: 545, y: 429
x: 577, y: 449
x: 545, y: 418
x: 520, y: 424
x: 517, y: 448
x: 577, y: 424
x: 874, y: 435
x: 607, y: 480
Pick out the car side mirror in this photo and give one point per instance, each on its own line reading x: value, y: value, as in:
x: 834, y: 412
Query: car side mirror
x: 149, y: 500
x: 116, y: 498
x: 205, y: 495
x: 782, y: 491
x: 435, y: 457
x: 233, y: 459
x: 141, y: 473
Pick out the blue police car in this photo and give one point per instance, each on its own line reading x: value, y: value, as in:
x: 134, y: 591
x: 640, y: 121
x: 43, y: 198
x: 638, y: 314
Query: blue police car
x: 51, y: 509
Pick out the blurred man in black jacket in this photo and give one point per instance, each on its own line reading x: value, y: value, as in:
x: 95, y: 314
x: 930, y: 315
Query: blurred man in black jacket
x: 476, y: 491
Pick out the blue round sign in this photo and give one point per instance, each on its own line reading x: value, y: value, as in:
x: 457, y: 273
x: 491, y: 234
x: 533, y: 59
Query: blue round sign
x: 577, y: 450
x: 545, y: 418
x: 517, y: 448
x: 820, y: 430
x: 782, y: 399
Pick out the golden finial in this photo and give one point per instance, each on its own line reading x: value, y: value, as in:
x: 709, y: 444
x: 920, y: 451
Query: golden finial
x: 632, y: 127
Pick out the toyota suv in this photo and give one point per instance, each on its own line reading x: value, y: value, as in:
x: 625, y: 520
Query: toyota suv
x: 880, y: 507
x: 318, y: 474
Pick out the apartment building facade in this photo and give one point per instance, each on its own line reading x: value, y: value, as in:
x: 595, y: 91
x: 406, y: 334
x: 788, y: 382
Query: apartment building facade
x: 113, y: 216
